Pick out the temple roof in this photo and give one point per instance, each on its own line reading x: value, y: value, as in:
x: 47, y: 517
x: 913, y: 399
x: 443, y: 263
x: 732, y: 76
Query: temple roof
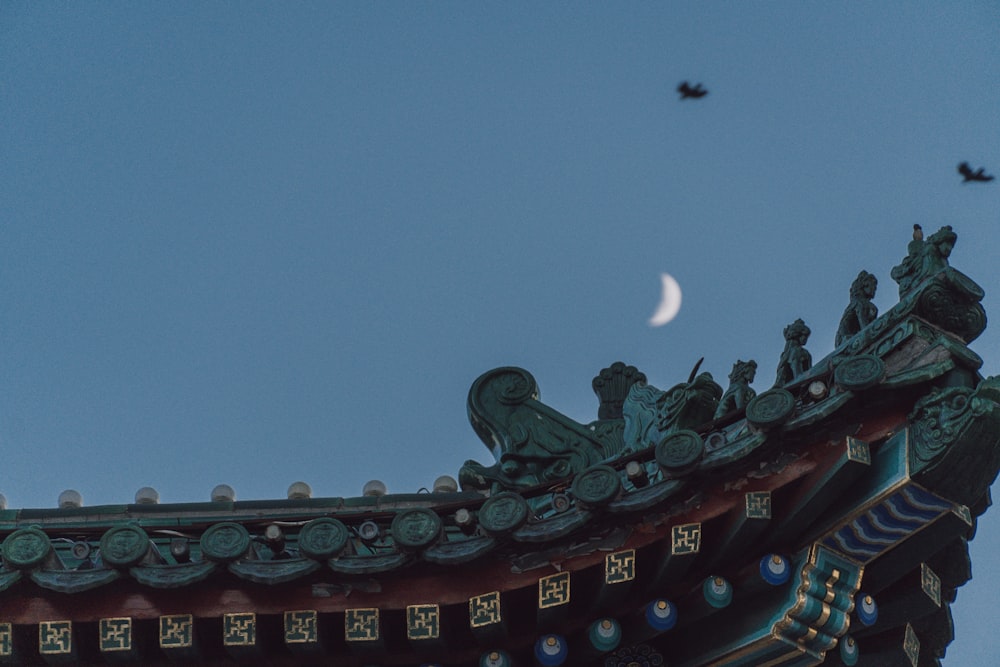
x: 824, y: 519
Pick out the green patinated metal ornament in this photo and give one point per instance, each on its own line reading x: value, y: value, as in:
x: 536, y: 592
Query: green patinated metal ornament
x: 678, y: 452
x: 531, y: 442
x: 860, y: 372
x: 357, y: 565
x: 172, y: 576
x: 26, y: 548
x: 225, y: 542
x: 924, y: 258
x: 861, y: 311
x: 323, y: 538
x: 503, y: 513
x: 124, y: 546
x: 457, y: 552
x: 957, y: 419
x: 739, y: 393
x: 554, y: 527
x: 272, y: 572
x: 937, y: 292
x: 771, y: 408
x: 651, y: 414
x: 416, y: 528
x: 795, y: 358
x: 953, y: 304
x: 638, y: 500
x: 74, y: 581
x: 597, y: 486
x: 612, y: 385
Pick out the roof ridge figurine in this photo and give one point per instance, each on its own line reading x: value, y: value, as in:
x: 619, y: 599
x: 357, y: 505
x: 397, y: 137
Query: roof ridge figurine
x: 924, y: 258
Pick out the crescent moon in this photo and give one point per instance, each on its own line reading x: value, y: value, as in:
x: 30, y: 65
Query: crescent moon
x: 670, y: 302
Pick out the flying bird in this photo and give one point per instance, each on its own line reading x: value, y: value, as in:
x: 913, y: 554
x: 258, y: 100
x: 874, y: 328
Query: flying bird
x: 687, y: 91
x: 968, y: 175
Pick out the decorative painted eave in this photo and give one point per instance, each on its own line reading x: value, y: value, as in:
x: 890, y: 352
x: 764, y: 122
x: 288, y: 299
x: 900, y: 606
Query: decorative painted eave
x: 770, y: 532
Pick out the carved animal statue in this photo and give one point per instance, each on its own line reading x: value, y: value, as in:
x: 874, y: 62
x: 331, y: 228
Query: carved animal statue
x: 688, y: 91
x: 534, y: 444
x: 924, y: 258
x: 968, y: 175
x: 531, y: 442
x: 795, y: 358
x: 739, y: 392
x: 650, y: 414
x: 861, y: 311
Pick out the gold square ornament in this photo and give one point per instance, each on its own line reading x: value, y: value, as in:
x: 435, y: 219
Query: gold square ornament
x: 484, y: 609
x: 619, y: 567
x: 423, y: 621
x: 55, y: 637
x: 115, y: 634
x: 758, y: 505
x: 301, y: 627
x: 685, y: 539
x: 553, y: 590
x: 176, y: 631
x: 361, y: 625
x: 239, y: 629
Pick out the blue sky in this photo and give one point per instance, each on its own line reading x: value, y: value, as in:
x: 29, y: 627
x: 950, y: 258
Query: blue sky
x: 256, y: 243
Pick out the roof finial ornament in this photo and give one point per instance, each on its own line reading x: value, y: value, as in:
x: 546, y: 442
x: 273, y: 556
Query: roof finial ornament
x: 924, y: 258
x: 739, y: 392
x: 795, y: 359
x: 612, y: 385
x: 861, y: 312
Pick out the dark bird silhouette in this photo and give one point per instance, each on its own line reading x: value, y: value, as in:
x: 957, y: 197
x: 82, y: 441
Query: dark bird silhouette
x: 968, y: 175
x: 693, y: 92
x: 918, y: 233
